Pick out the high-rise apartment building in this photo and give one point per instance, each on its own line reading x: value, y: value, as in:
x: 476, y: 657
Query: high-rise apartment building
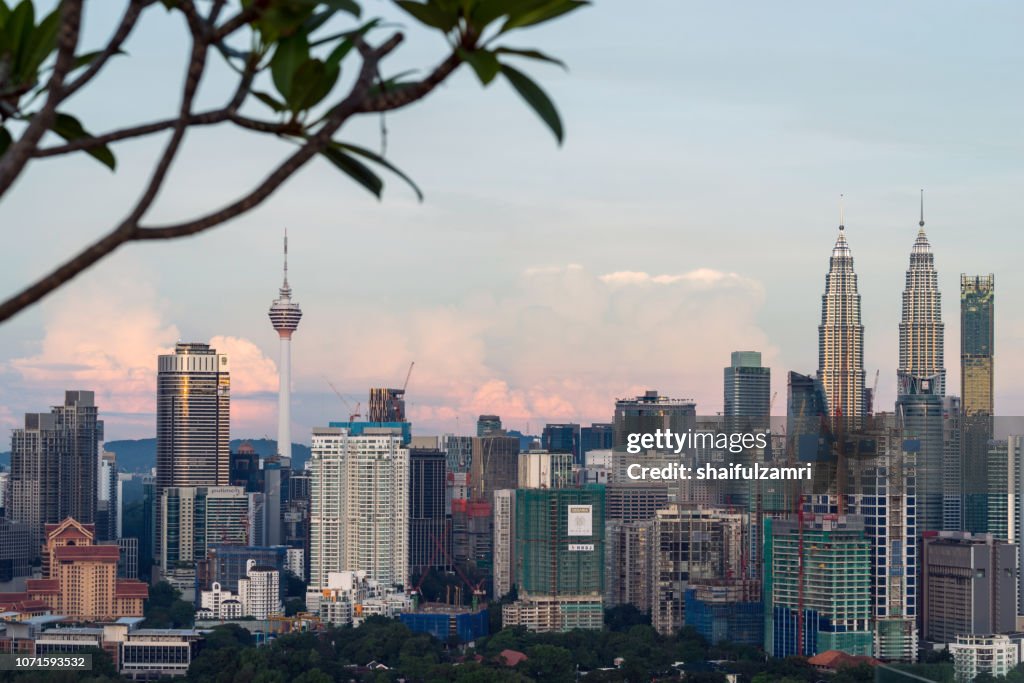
x: 629, y: 563
x: 504, y: 541
x: 841, y: 335
x: 107, y: 503
x: 977, y: 347
x: 430, y: 534
x: 970, y: 586
x: 359, y: 509
x: 748, y: 388
x: 54, y: 465
x: 285, y: 315
x: 922, y: 345
x: 543, y: 470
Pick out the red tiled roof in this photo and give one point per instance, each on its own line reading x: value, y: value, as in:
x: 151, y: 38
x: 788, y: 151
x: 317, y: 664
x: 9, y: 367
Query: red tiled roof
x: 107, y: 553
x: 511, y: 657
x: 129, y: 588
x: 25, y: 605
x: 834, y: 659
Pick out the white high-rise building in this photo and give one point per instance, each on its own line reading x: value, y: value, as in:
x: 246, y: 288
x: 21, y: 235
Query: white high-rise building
x: 285, y: 315
x: 359, y: 506
x: 260, y: 591
x: 505, y: 540
x: 841, y: 335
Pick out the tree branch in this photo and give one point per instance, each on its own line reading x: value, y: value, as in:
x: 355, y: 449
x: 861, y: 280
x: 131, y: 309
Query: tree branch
x: 18, y: 154
x: 124, y: 29
x: 407, y: 94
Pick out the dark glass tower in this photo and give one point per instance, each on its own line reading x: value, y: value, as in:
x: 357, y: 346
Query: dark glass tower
x: 977, y: 347
x: 429, y: 526
x: 748, y: 387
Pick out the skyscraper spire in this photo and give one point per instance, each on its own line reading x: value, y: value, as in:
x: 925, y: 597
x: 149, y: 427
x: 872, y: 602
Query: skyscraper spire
x: 841, y: 334
x: 921, y: 365
x: 286, y: 291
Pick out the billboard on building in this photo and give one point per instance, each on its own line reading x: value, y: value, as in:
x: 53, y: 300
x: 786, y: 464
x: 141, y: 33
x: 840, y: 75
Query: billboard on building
x: 581, y: 520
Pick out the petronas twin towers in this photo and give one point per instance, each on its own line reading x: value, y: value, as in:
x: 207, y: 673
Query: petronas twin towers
x: 841, y: 333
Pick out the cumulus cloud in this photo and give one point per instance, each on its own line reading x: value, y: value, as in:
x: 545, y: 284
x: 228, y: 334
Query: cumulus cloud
x: 560, y: 345
x: 102, y: 336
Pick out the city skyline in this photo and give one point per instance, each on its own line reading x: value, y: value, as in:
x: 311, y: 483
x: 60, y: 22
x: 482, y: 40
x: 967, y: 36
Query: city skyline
x: 755, y: 160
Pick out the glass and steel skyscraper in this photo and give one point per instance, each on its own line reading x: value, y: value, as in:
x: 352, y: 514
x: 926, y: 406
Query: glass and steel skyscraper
x: 841, y: 335
x: 977, y: 346
x: 748, y: 387
x: 921, y: 328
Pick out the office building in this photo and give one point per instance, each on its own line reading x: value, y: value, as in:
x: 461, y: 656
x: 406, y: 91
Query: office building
x: 228, y: 564
x: 387, y: 405
x: 54, y: 465
x: 970, y: 586
x: 1006, y: 502
x: 193, y: 413
x: 488, y: 424
x: 559, y: 555
x: 429, y: 524
x: 598, y: 436
x: 748, y: 389
x: 841, y: 335
x: 952, y: 467
x: 919, y: 411
x: 16, y: 555
x: 198, y: 517
x: 922, y: 348
x: 285, y: 315
x: 634, y: 502
x: 728, y: 610
x: 977, y: 349
x: 650, y: 412
x: 359, y: 512
x: 691, y: 542
x: 562, y: 438
x: 817, y: 586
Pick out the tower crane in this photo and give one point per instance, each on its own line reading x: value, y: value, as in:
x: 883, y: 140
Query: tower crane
x: 407, y: 376
x: 353, y: 414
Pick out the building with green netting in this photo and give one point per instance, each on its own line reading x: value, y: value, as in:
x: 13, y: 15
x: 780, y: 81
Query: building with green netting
x: 817, y: 586
x: 559, y: 555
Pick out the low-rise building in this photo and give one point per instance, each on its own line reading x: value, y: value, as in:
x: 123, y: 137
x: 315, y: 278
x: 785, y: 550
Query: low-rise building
x: 974, y: 654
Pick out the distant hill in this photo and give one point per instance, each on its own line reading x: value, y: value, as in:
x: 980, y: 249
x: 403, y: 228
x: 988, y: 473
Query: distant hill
x: 139, y: 455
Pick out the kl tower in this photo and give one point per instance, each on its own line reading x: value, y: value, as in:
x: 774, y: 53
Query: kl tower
x: 285, y: 315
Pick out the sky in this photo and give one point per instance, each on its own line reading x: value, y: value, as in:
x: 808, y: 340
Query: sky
x: 691, y: 212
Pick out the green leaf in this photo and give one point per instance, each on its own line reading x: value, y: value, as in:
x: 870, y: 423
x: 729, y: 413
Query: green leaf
x: 5, y: 137
x: 291, y: 53
x: 270, y: 101
x: 530, y: 54
x: 540, y: 15
x: 430, y: 14
x: 311, y: 84
x: 536, y: 98
x: 19, y: 29
x: 41, y: 43
x: 484, y: 63
x: 89, y: 57
x: 355, y: 169
x: 376, y: 158
x: 69, y: 128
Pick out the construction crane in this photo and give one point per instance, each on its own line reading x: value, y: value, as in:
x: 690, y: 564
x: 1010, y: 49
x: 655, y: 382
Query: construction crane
x: 407, y: 376
x: 352, y: 414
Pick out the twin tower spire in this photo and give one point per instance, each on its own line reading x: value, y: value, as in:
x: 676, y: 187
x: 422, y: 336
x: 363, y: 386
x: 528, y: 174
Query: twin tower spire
x: 841, y: 333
